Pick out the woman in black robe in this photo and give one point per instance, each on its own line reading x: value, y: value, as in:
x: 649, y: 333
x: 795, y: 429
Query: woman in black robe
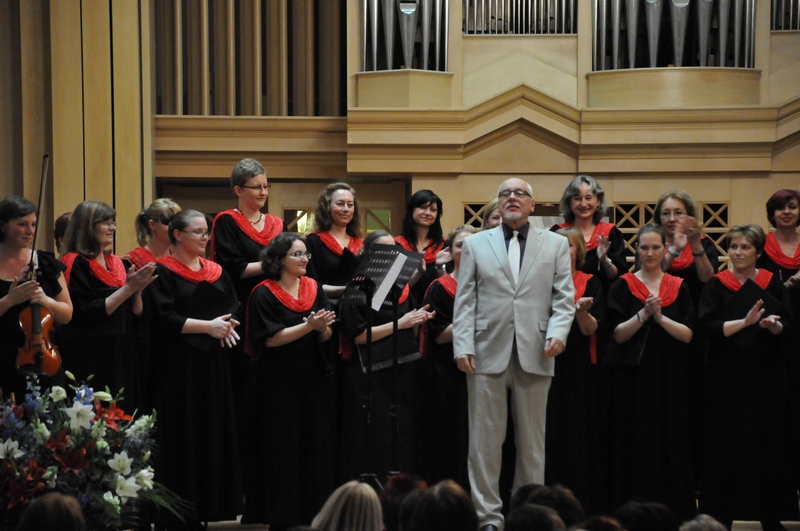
x: 572, y: 452
x: 448, y: 418
x: 651, y: 315
x: 288, y: 319
x: 412, y: 439
x: 748, y: 472
x: 190, y: 306
x: 48, y: 289
x: 100, y: 338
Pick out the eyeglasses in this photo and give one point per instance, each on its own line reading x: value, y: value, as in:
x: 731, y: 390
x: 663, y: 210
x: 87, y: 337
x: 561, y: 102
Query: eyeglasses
x: 519, y: 194
x: 300, y: 254
x: 260, y: 188
x: 667, y: 214
x: 200, y: 233
x: 109, y: 223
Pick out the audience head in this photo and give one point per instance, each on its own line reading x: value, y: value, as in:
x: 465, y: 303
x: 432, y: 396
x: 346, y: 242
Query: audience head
x: 598, y: 523
x: 180, y: 221
x: 423, y: 209
x: 154, y: 219
x: 13, y: 207
x: 352, y: 507
x: 374, y: 237
x: 273, y: 255
x: 443, y: 507
x: 674, y: 205
x: 520, y: 497
x: 491, y: 215
x: 576, y: 242
x: 60, y: 229
x: 244, y: 171
x: 396, y: 489
x: 576, y: 191
x: 53, y: 511
x: 646, y: 516
x: 779, y: 201
x: 702, y: 522
x: 331, y: 200
x: 407, y: 508
x: 532, y: 517
x: 562, y: 500
x: 752, y: 232
x: 84, y: 229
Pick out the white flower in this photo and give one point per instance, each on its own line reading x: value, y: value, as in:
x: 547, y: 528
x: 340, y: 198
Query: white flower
x: 127, y: 488
x: 102, y: 445
x: 141, y: 426
x: 10, y: 449
x: 40, y: 432
x: 121, y: 463
x: 111, y: 500
x: 80, y: 415
x: 57, y: 393
x: 51, y: 476
x: 144, y: 478
x: 103, y: 396
x: 99, y: 430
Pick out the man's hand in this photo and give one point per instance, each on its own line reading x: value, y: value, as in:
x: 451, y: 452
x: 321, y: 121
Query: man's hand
x: 553, y: 347
x: 466, y: 363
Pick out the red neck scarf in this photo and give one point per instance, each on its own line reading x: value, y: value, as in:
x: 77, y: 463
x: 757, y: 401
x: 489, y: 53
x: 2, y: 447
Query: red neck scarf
x: 272, y: 227
x: 209, y: 271
x: 580, y: 281
x: 430, y: 250
x: 335, y: 247
x: 685, y: 260
x: 730, y: 281
x: 140, y: 257
x: 773, y: 249
x: 601, y: 229
x: 450, y: 286
x: 113, y: 277
x: 667, y: 291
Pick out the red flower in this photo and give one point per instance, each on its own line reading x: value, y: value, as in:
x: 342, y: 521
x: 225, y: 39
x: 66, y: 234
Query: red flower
x: 111, y: 415
x: 73, y: 461
x: 22, y: 484
x: 59, y: 443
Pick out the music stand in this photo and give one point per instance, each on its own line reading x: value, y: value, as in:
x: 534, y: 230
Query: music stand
x: 383, y: 272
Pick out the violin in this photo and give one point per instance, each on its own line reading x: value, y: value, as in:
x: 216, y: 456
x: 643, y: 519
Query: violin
x: 37, y: 355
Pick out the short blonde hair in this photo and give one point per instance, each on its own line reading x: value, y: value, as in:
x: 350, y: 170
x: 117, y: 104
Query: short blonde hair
x: 352, y: 507
x: 576, y: 237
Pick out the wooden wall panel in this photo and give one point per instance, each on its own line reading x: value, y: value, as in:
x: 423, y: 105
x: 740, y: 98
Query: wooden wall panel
x: 277, y: 59
x: 67, y: 162
x: 97, y: 120
x: 329, y: 58
x: 303, y: 57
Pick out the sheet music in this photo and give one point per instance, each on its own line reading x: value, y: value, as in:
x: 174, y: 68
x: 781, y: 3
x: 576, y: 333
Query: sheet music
x: 388, y: 281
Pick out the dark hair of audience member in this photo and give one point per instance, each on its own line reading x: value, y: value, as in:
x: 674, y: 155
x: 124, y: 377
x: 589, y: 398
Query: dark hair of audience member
x: 302, y: 528
x: 598, y: 523
x: 396, y: 489
x: 702, y: 522
x: 370, y: 240
x: 444, y: 507
x: 532, y: 517
x: 54, y: 511
x: 407, y: 508
x: 521, y: 495
x: 60, y: 229
x: 561, y: 499
x: 646, y: 516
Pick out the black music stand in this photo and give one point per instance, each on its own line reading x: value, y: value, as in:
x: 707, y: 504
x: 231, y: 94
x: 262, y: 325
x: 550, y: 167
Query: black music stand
x: 379, y: 280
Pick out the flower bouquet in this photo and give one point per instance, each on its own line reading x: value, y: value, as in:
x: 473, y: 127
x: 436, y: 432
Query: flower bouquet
x: 80, y: 447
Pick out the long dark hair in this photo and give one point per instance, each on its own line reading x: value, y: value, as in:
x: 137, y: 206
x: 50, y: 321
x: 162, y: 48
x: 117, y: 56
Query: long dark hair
x: 420, y: 199
x: 322, y: 216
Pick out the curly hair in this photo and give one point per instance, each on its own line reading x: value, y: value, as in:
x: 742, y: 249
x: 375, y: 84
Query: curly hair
x: 322, y: 216
x: 573, y: 189
x: 273, y: 254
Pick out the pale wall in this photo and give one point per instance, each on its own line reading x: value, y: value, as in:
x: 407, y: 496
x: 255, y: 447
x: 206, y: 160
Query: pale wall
x: 784, y: 79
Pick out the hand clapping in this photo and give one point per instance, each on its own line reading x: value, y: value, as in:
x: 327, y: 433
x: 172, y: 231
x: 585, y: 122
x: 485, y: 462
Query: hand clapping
x: 320, y: 320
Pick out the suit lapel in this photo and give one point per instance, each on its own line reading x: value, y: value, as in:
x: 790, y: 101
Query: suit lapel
x: 532, y: 248
x: 498, y: 244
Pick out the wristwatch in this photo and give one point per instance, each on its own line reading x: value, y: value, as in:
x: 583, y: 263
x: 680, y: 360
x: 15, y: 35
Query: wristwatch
x: 675, y: 254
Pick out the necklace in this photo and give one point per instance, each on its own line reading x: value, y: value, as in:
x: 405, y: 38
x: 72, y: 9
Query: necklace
x: 256, y: 222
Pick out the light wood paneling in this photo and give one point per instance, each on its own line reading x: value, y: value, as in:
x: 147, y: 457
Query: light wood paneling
x: 250, y: 60
x: 329, y: 54
x: 11, y: 169
x: 128, y: 155
x: 277, y: 59
x: 148, y: 99
x: 68, y: 169
x: 303, y: 57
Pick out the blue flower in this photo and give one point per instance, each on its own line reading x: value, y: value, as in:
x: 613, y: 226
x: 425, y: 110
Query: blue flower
x: 84, y: 394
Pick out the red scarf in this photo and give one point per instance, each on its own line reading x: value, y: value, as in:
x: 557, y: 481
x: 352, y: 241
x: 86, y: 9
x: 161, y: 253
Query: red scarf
x: 306, y: 295
x: 773, y: 249
x: 272, y: 227
x: 113, y: 277
x: 685, y: 260
x: 209, y: 271
x: 333, y: 245
x: 730, y: 281
x: 140, y: 257
x: 601, y: 229
x: 450, y: 285
x: 580, y: 280
x: 430, y: 250
x: 667, y: 291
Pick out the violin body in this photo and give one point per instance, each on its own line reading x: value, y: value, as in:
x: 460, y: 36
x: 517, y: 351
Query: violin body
x: 37, y: 355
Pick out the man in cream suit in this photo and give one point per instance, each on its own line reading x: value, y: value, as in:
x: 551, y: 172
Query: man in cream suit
x: 509, y: 326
